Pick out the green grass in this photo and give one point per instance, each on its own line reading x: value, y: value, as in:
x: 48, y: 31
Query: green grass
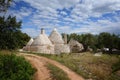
x: 7, y: 51
x: 14, y: 67
x: 57, y: 73
x: 89, y: 66
x: 116, y: 66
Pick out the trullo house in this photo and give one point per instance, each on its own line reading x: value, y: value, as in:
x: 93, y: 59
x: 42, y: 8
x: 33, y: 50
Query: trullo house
x: 27, y: 47
x: 59, y: 44
x: 75, y: 46
x: 42, y: 44
x: 54, y: 44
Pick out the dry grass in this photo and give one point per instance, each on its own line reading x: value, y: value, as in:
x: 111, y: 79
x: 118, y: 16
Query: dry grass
x: 88, y: 65
x: 57, y: 73
x: 7, y: 52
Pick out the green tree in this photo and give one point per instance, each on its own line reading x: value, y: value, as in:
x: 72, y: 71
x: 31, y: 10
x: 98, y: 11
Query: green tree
x: 116, y: 41
x: 4, y: 4
x: 97, y: 41
x: 107, y: 40
x: 88, y: 40
x: 11, y: 36
x: 74, y: 36
x: 104, y: 40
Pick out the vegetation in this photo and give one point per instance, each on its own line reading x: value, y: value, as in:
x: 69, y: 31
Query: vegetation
x: 90, y: 66
x: 103, y: 40
x: 11, y: 36
x: 14, y: 67
x: 56, y: 73
x: 116, y: 66
x: 108, y: 40
x: 4, y: 5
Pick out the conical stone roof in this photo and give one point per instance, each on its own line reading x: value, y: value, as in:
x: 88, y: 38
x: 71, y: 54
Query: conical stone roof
x: 75, y: 46
x: 27, y: 47
x: 30, y: 42
x: 56, y: 37
x: 42, y: 39
x: 42, y: 44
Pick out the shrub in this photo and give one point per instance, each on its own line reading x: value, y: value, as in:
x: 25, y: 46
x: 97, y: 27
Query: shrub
x: 14, y: 67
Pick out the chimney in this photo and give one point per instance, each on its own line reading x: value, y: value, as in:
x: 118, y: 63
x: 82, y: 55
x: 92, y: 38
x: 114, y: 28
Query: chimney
x: 54, y: 29
x: 65, y: 38
x: 42, y: 31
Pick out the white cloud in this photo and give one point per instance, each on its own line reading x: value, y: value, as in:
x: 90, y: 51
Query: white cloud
x: 96, y: 8
x: 31, y: 32
x: 98, y: 27
x: 20, y: 14
x: 63, y: 13
x: 84, y: 10
x: 48, y: 16
x: 55, y: 4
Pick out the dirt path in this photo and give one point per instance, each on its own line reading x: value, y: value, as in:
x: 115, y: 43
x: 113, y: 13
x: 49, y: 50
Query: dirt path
x: 42, y: 73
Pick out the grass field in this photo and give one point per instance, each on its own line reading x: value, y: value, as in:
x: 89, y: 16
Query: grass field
x: 90, y: 66
x: 57, y: 73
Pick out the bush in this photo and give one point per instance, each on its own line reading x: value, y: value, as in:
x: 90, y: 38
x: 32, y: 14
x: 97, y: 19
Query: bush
x: 14, y: 67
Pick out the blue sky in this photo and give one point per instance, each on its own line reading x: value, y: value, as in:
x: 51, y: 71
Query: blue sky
x: 68, y: 16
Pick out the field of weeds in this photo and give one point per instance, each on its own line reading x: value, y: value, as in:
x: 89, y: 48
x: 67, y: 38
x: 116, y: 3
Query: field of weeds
x: 57, y: 73
x: 104, y: 67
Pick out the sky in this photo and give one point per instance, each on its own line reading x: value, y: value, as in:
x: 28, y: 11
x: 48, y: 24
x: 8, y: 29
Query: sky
x: 68, y: 16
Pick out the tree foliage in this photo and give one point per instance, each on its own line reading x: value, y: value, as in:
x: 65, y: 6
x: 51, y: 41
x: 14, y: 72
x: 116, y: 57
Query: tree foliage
x: 88, y: 40
x: 103, y: 40
x: 109, y: 41
x: 11, y: 36
x: 4, y: 4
